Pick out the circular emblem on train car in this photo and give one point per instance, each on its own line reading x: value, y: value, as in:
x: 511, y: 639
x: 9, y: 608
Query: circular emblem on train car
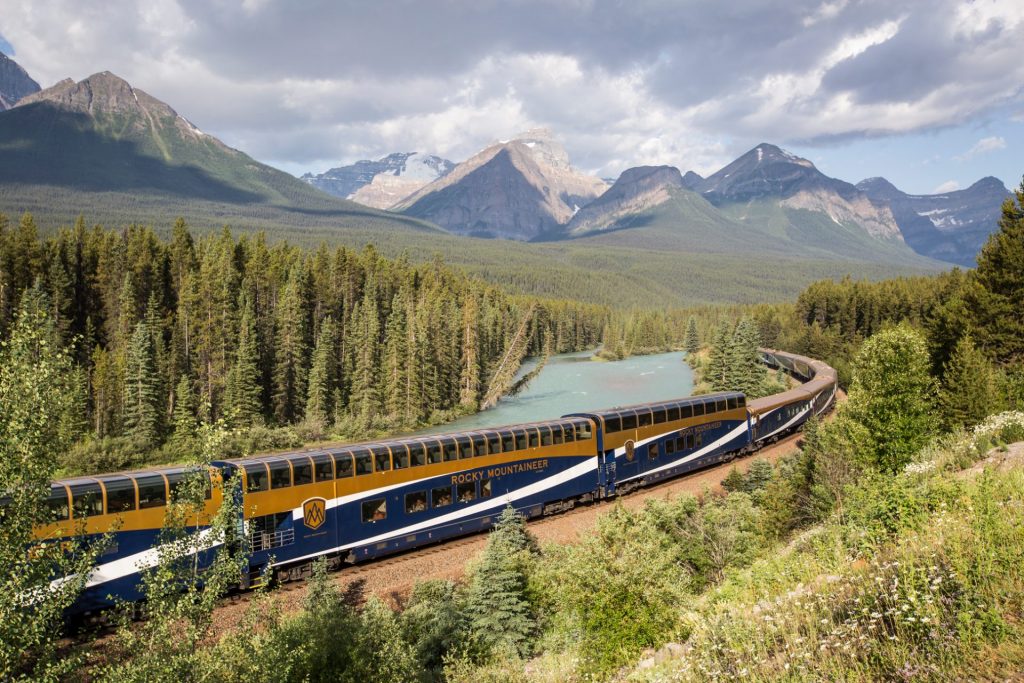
x: 630, y: 446
x: 314, y: 512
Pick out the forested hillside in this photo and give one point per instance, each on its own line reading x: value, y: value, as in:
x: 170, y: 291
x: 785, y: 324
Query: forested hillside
x: 165, y: 334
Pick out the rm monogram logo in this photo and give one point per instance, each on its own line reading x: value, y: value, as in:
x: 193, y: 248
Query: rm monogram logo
x: 314, y: 512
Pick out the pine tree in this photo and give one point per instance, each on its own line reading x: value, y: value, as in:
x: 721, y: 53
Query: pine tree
x: 394, y: 380
x: 185, y: 425
x: 291, y: 350
x: 496, y: 602
x: 716, y: 372
x: 242, y: 403
x: 469, y: 384
x: 141, y: 388
x: 692, y: 336
x: 969, y: 392
x: 745, y: 361
x: 995, y: 297
x: 322, y: 374
x: 365, y: 397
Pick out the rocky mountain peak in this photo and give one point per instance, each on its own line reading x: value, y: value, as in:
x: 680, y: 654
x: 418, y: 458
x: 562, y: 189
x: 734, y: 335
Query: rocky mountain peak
x: 636, y: 190
x: 691, y: 180
x: 383, y: 182
x: 15, y: 83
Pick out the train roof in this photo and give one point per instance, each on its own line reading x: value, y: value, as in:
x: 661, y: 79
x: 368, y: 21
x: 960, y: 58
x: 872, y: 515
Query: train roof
x: 688, y: 400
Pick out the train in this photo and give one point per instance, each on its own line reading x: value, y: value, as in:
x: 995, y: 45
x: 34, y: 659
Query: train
x: 356, y: 502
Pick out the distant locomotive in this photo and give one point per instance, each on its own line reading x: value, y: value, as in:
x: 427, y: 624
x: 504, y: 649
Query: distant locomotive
x: 357, y: 502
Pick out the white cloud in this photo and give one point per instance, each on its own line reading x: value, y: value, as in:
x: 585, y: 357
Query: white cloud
x: 983, y: 146
x: 948, y: 186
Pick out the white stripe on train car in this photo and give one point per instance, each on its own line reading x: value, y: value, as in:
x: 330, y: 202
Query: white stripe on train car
x: 692, y: 456
x: 787, y: 425
x: 497, y: 502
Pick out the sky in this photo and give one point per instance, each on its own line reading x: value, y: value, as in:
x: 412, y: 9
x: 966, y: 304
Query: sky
x: 928, y: 93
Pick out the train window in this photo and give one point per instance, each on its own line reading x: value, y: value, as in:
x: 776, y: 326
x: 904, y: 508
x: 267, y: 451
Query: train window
x: 521, y: 440
x: 433, y: 453
x: 556, y: 434
x: 545, y: 436
x: 698, y: 409
x: 731, y: 403
x: 485, y: 488
x: 153, y: 489
x: 57, y: 504
x: 660, y: 415
x: 583, y: 430
x: 323, y: 468
x: 441, y: 496
x: 570, y: 433
x: 418, y: 453
x: 741, y: 401
x: 451, y: 450
x: 479, y: 444
x: 534, y: 438
x: 465, y: 493
x: 375, y: 510
x: 399, y: 456
x: 465, y: 446
x: 689, y: 441
x: 86, y: 500
x: 120, y: 495
x: 302, y: 472
x: 508, y: 442
x: 415, y: 502
x: 644, y: 419
x: 381, y: 458
x: 720, y: 406
x: 652, y: 450
x: 176, y: 479
x: 670, y: 447
x: 698, y: 440
x: 628, y: 422
x: 364, y: 462
x: 343, y: 465
x: 494, y: 444
x: 280, y: 475
x: 685, y: 412
x: 673, y: 413
x: 613, y: 424
x: 256, y: 477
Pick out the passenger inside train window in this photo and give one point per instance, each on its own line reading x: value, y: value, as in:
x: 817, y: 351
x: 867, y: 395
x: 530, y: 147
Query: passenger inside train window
x: 570, y: 433
x: 508, y: 442
x: 583, y: 430
x: 256, y: 477
x: 381, y: 459
x: 280, y: 475
x: 302, y: 472
x: 364, y: 462
x: 120, y: 495
x: 652, y: 450
x: 57, y: 504
x: 545, y: 435
x: 466, y: 492
x: 479, y: 445
x: 153, y: 489
x: 433, y: 453
x: 644, y: 418
x: 465, y: 447
x: 375, y: 510
x: 670, y: 446
x: 451, y: 450
x: 415, y: 502
x: 494, y: 444
x: 485, y: 488
x: 343, y: 465
x: 399, y: 456
x: 418, y: 453
x: 86, y: 500
x: 520, y: 440
x: 556, y: 434
x: 441, y: 497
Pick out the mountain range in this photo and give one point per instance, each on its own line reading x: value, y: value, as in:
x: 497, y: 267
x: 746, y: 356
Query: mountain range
x: 15, y: 83
x: 760, y: 228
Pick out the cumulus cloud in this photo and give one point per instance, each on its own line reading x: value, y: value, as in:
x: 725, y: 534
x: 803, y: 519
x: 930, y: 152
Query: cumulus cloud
x: 651, y: 81
x: 983, y: 146
x: 948, y: 186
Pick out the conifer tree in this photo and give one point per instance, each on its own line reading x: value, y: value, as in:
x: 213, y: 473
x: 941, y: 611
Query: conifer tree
x: 969, y: 392
x: 185, y: 425
x: 995, y: 298
x: 291, y: 351
x: 396, y: 340
x: 141, y: 388
x: 365, y: 397
x: 692, y: 336
x: 716, y: 372
x: 499, y: 611
x: 242, y: 404
x: 469, y: 383
x: 322, y: 374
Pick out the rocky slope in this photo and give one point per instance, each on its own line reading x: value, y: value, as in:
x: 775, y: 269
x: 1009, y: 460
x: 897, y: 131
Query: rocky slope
x: 635, y: 191
x: 15, y: 82
x: 952, y: 226
x: 518, y: 189
x: 383, y: 182
x: 769, y: 173
x: 102, y: 147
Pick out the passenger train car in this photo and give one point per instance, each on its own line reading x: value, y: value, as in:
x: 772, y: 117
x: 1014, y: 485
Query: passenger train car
x: 357, y: 502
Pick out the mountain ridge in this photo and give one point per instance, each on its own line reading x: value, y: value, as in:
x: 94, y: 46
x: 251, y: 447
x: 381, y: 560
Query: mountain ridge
x: 15, y: 83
